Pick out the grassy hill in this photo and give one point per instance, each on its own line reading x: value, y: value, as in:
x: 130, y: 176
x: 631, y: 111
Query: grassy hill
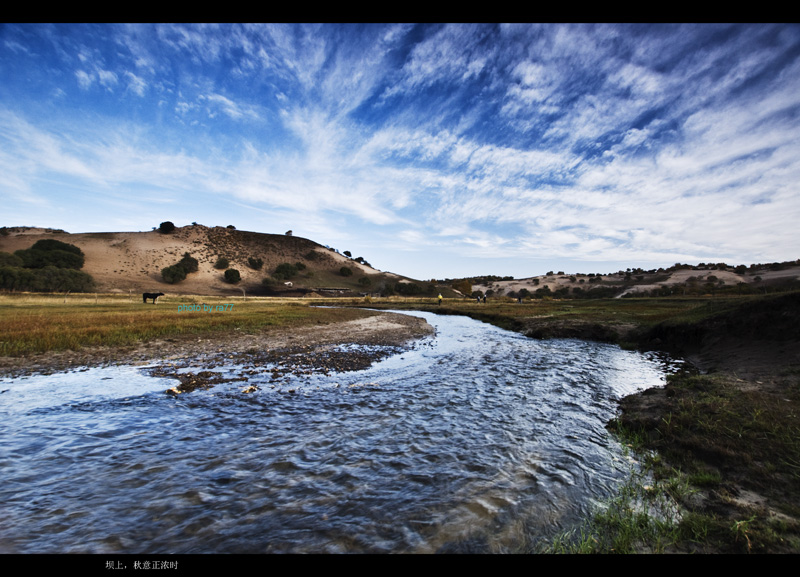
x: 132, y: 261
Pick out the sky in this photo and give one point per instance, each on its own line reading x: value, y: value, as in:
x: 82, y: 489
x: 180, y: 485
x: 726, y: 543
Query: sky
x: 434, y: 151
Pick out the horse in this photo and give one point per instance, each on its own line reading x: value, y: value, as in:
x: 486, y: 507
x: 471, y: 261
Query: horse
x: 153, y: 296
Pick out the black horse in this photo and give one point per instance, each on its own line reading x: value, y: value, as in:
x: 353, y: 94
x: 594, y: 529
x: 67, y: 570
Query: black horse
x: 153, y: 296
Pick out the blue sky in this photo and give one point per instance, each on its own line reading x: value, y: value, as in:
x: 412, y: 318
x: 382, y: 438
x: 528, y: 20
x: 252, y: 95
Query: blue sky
x: 433, y: 151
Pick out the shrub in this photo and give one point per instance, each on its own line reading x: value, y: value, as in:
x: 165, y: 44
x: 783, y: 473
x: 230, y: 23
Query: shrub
x: 255, y: 263
x: 188, y: 263
x: 221, y: 263
x: 232, y: 276
x: 463, y: 286
x: 365, y: 281
x: 407, y: 288
x: 173, y: 274
x: 285, y: 271
x: 166, y: 227
x: 346, y: 271
x: 177, y: 272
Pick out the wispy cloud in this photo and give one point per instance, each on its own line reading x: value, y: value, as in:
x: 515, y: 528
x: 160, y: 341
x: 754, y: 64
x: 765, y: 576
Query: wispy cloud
x: 574, y: 142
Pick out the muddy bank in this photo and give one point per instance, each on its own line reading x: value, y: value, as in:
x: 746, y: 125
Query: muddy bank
x: 731, y: 427
x: 383, y: 333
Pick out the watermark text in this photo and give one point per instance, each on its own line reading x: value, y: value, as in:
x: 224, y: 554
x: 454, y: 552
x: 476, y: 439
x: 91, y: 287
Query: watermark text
x: 206, y: 308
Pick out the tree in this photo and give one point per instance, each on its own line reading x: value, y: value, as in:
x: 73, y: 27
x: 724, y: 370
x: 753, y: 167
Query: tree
x: 255, y: 263
x: 221, y: 263
x: 232, y: 276
x: 166, y: 227
x: 348, y: 254
x: 50, y: 252
x: 49, y: 265
x: 8, y: 259
x: 52, y: 244
x: 346, y: 271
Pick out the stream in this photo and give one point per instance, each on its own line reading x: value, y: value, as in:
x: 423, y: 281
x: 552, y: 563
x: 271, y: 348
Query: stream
x: 476, y: 440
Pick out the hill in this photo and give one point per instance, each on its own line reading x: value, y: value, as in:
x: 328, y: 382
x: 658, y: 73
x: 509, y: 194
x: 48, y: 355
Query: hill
x: 132, y: 261
x: 679, y: 280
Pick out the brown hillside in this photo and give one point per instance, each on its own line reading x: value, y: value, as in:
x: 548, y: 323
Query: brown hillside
x: 640, y: 284
x: 132, y: 261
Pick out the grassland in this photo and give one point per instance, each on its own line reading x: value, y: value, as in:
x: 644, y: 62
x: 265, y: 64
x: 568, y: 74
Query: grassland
x: 39, y: 323
x: 720, y: 451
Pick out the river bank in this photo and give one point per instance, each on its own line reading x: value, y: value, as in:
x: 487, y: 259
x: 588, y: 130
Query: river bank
x: 726, y: 438
x: 380, y: 331
x: 722, y: 440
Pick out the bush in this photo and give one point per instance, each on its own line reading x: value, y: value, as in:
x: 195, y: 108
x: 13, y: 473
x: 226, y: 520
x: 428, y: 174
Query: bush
x: 188, y: 263
x: 346, y: 271
x: 408, y: 288
x: 285, y: 271
x: 255, y: 263
x: 222, y: 263
x: 365, y: 281
x: 173, y: 274
x: 166, y: 227
x: 177, y: 272
x: 232, y: 276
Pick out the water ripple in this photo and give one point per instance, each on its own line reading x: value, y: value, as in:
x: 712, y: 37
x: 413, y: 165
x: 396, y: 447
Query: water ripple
x: 476, y: 440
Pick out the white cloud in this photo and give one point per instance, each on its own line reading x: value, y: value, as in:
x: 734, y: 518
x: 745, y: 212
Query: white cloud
x: 84, y: 79
x: 592, y: 142
x: 136, y: 84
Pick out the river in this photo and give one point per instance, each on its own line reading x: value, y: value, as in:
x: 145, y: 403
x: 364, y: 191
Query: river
x: 476, y: 440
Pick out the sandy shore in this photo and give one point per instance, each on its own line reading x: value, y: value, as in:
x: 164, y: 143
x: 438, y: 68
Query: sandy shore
x: 384, y: 332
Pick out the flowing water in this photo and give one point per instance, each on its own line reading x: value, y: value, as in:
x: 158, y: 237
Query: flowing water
x: 476, y: 440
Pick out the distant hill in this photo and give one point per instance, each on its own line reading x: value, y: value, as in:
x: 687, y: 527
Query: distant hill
x: 678, y: 280
x: 132, y: 261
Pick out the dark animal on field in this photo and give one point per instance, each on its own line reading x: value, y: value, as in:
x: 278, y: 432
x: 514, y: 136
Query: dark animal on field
x: 153, y: 296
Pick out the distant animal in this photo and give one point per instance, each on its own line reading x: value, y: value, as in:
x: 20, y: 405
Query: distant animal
x: 153, y: 296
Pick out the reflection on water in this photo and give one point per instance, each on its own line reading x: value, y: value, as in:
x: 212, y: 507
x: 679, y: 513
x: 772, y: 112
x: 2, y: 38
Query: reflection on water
x: 476, y: 440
